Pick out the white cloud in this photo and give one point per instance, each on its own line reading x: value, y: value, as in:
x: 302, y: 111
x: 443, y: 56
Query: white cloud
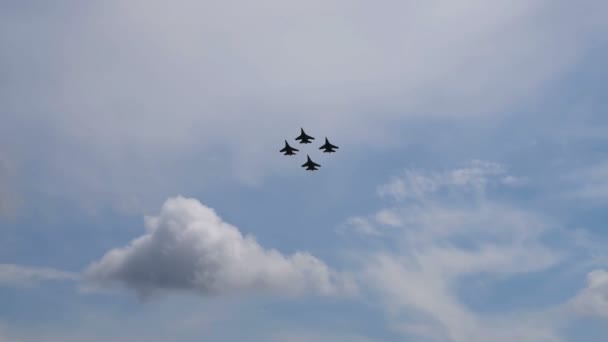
x: 188, y: 247
x: 420, y: 281
x: 434, y: 247
x: 422, y: 302
x: 593, y: 300
x: 141, y: 84
x: 17, y: 275
x: 475, y: 176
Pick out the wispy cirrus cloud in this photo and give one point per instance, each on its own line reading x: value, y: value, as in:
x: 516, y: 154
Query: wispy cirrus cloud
x: 435, y: 247
x: 440, y: 248
x: 19, y: 275
x: 475, y: 176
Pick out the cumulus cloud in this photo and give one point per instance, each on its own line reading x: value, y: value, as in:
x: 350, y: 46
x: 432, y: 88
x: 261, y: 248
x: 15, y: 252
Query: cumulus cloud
x: 476, y: 175
x: 189, y: 247
x: 18, y: 275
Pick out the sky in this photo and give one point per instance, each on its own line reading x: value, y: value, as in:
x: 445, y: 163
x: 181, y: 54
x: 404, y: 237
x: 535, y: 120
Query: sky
x: 143, y: 196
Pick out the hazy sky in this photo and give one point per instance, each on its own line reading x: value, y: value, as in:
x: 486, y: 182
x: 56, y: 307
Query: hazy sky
x: 143, y: 197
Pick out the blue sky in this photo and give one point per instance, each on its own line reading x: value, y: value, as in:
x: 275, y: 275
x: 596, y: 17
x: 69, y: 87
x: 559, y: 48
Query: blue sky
x: 142, y: 195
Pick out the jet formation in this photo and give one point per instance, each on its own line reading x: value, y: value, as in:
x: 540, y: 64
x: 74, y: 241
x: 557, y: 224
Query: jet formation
x: 304, y: 138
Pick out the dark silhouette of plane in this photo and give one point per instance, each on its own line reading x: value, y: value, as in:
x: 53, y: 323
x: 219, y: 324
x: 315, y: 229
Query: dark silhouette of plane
x: 328, y: 147
x: 304, y: 138
x: 310, y: 165
x: 289, y: 151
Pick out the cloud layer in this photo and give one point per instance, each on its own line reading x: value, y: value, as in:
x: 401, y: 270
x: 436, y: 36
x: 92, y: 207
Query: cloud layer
x: 436, y: 248
x: 139, y: 84
x: 188, y: 247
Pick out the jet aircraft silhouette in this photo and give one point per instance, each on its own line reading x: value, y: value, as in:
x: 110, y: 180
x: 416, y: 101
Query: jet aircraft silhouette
x: 304, y: 138
x: 289, y: 151
x: 328, y: 147
x: 310, y: 165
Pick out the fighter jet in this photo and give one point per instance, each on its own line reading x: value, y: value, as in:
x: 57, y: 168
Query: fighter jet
x: 304, y: 138
x: 328, y: 147
x: 289, y: 151
x: 310, y: 165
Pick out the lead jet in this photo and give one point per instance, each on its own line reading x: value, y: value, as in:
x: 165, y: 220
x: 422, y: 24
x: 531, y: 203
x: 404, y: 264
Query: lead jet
x: 328, y: 147
x: 310, y: 165
x: 304, y: 138
x: 289, y: 151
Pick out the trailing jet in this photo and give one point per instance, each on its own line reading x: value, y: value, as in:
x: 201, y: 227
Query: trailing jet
x: 304, y: 138
x: 289, y: 151
x: 310, y: 165
x: 328, y: 147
